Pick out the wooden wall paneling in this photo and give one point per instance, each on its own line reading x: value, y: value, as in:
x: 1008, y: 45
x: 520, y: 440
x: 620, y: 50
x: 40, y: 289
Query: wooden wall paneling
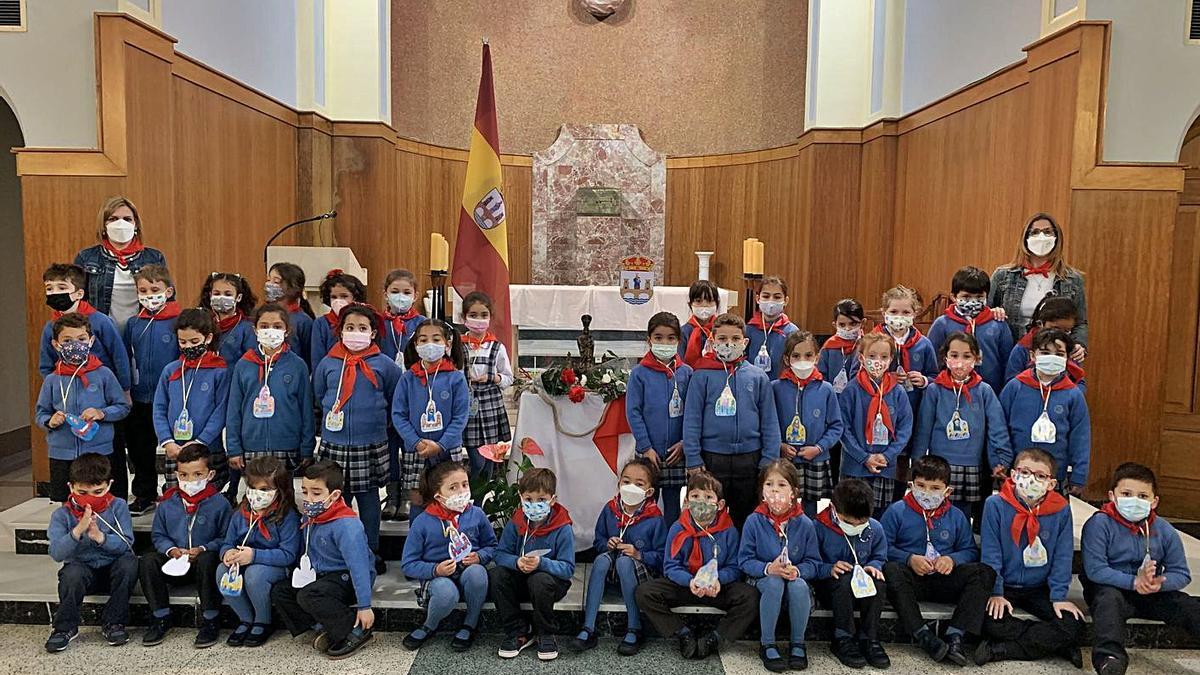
x: 1048, y: 137
x: 878, y: 183
x: 314, y: 178
x: 1183, y: 349
x: 363, y: 173
x: 1177, y: 474
x: 834, y: 252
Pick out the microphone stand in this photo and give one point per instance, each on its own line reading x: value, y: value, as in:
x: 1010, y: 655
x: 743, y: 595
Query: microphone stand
x: 285, y: 228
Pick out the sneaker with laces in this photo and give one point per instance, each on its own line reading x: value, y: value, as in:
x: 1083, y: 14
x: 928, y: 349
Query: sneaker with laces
x: 513, y: 645
x: 59, y: 640
x: 547, y: 648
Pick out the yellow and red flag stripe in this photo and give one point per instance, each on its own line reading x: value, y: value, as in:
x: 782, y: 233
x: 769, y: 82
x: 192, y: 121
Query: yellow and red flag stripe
x: 481, y: 251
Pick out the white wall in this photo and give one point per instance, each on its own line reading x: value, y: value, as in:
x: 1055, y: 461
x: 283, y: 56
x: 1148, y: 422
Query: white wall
x: 252, y: 41
x: 1153, y: 79
x: 951, y: 43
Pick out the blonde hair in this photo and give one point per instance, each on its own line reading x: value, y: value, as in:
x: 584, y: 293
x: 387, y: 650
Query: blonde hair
x: 902, y: 293
x: 869, y: 339
x: 1056, y: 259
x: 106, y: 210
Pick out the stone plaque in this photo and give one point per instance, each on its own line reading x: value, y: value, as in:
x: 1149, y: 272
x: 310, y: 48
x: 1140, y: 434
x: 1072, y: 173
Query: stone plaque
x: 597, y: 201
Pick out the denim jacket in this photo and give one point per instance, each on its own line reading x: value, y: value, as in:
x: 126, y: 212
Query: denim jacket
x: 1008, y: 287
x: 101, y: 266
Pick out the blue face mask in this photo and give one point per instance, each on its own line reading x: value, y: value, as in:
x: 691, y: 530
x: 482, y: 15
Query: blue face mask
x: 314, y: 509
x: 1133, y: 509
x: 535, y: 511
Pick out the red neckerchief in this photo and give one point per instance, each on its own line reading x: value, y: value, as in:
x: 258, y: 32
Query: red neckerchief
x: 1029, y: 270
x: 207, y: 360
x: 841, y: 344
x: 648, y: 509
x: 230, y: 322
x: 411, y: 314
x: 1030, y: 380
x: 333, y: 321
x: 78, y: 511
x: 825, y: 518
x: 82, y: 308
x: 780, y: 521
x: 877, y: 406
x: 190, y: 503
x: 253, y: 356
x: 251, y: 516
x: 710, y: 363
x: 131, y: 249
x: 911, y: 341
x: 776, y: 325
x: 651, y: 361
x: 690, y: 530
x: 945, y: 380
x: 353, y: 363
x: 929, y: 516
x: 336, y: 511
x: 67, y: 370
x: 292, y: 307
x: 473, y: 342
x: 700, y: 335
x: 1110, y: 509
x: 790, y: 375
x: 437, y: 510
x: 1026, y: 519
x: 167, y: 311
x: 558, y: 518
x: 443, y: 366
x: 1074, y: 370
x: 983, y: 317
x: 1026, y: 340
x: 397, y: 320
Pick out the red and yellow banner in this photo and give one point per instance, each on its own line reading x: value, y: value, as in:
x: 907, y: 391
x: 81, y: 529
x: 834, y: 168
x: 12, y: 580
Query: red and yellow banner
x: 481, y: 251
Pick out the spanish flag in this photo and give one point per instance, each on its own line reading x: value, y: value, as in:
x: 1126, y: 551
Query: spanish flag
x: 481, y: 251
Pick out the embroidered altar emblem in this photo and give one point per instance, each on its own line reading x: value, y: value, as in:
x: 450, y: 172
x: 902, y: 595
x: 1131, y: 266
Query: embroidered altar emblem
x: 489, y: 212
x: 637, y: 279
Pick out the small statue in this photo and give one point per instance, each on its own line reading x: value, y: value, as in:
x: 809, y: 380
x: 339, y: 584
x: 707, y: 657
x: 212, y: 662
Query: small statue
x: 587, y: 343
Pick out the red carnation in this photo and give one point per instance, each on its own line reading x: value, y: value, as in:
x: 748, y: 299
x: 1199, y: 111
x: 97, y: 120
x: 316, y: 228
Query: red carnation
x: 576, y: 393
x: 568, y: 376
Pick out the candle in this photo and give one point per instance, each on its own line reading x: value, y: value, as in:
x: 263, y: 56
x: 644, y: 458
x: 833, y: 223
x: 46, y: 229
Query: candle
x: 434, y: 251
x: 759, y: 253
x: 748, y: 253
x: 445, y: 254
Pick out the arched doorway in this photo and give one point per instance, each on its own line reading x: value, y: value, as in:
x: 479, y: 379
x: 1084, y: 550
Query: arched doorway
x: 14, y: 387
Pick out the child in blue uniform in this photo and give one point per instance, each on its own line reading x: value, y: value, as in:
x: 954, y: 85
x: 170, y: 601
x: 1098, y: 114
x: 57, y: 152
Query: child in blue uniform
x: 916, y: 361
x: 970, y: 314
x: 630, y: 535
x: 1053, y: 312
x: 810, y: 419
x: 769, y: 327
x: 447, y: 549
x: 285, y: 286
x: 654, y: 404
x: 489, y: 372
x: 231, y: 300
x: 778, y: 553
x: 65, y: 288
x: 400, y: 321
x: 704, y: 303
x: 838, y: 362
x: 338, y: 290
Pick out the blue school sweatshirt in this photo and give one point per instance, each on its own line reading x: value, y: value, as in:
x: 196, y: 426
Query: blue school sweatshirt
x: 870, y: 545
x: 340, y: 545
x: 675, y: 567
x: 921, y: 358
x: 321, y: 340
x: 107, y: 346
x: 290, y: 428
x: 300, y: 336
x: 761, y: 545
x: 1113, y: 554
x: 995, y: 345
x: 366, y: 412
x: 1068, y: 410
x: 998, y: 551
x: 774, y: 343
x: 393, y: 342
x: 150, y: 344
x: 101, y: 392
x: 855, y: 403
x: 906, y: 533
x: 449, y: 396
x: 754, y: 426
x: 819, y: 411
x: 427, y: 544
x: 648, y: 403
x: 209, y: 523
x: 1019, y: 361
x: 985, y: 423
x: 832, y: 361
x: 237, y: 341
x: 559, y: 562
x: 208, y: 394
x: 115, y: 525
x: 647, y: 535
x: 280, y: 549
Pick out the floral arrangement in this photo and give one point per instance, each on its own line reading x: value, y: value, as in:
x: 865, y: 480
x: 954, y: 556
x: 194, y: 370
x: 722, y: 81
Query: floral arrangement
x: 574, y: 383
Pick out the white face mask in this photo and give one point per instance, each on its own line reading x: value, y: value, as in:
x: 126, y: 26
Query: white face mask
x: 120, y: 230
x: 770, y: 307
x: 431, y: 351
x: 849, y: 333
x: 259, y: 499
x: 1029, y: 488
x: 632, y: 495
x: 663, y: 350
x: 153, y: 303
x: 400, y: 301
x: 898, y: 323
x: 457, y: 502
x: 336, y: 305
x: 270, y: 338
x: 729, y: 351
x: 704, y: 313
x: 1050, y: 364
x: 1041, y: 244
x: 192, y: 488
x: 852, y: 530
x: 803, y: 369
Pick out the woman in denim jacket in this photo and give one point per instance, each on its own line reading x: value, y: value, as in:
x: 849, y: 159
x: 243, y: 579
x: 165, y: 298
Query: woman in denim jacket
x: 111, y: 264
x: 1038, y: 270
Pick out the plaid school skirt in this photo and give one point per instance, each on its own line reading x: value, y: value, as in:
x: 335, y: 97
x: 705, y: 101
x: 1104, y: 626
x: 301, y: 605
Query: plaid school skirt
x: 488, y: 421
x: 288, y: 457
x: 364, y: 467
x: 816, y: 480
x: 413, y: 464
x: 967, y: 482
x: 883, y: 487
x: 671, y: 476
x: 640, y: 571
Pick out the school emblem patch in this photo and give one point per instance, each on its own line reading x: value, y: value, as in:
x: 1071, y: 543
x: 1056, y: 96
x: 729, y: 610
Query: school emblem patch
x: 489, y: 212
x: 637, y: 279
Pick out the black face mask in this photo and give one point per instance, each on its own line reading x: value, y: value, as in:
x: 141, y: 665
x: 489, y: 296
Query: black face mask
x: 59, y: 302
x: 194, y: 352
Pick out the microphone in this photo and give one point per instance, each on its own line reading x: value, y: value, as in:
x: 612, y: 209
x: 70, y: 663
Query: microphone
x: 285, y: 228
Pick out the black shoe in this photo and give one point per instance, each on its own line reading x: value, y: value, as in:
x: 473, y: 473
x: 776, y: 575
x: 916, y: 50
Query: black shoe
x: 115, y: 634
x: 798, y: 661
x: 708, y: 645
x: 547, y: 648
x: 141, y: 506
x: 208, y: 634
x: 260, y: 639
x: 580, y: 645
x: 1108, y: 665
x: 1074, y: 655
x: 321, y: 642
x: 157, y: 631
x: 238, y: 637
x: 873, y: 649
x: 775, y: 664
x: 955, y: 652
x: 933, y: 645
x: 988, y: 652
x: 463, y: 644
x: 357, y: 639
x: 380, y: 566
x: 846, y: 650
x: 412, y: 642
x: 687, y: 643
x: 59, y: 640
x: 513, y: 645
x: 627, y: 648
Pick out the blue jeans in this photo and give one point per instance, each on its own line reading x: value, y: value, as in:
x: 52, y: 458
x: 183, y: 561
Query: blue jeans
x: 596, y: 586
x: 445, y: 593
x: 369, y: 513
x: 799, y: 604
x: 254, y: 604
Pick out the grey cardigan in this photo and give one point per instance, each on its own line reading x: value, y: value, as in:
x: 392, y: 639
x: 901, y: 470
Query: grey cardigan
x: 1008, y: 287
